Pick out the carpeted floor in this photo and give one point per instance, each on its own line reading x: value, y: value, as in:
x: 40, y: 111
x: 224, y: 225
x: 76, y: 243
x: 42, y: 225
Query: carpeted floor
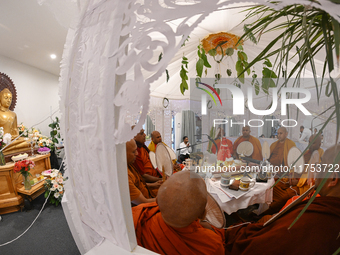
x: 50, y: 234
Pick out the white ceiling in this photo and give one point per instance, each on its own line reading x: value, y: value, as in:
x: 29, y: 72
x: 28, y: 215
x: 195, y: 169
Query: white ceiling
x: 29, y: 33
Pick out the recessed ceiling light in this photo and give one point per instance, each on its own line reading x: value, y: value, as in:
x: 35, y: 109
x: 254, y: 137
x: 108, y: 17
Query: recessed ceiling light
x: 53, y: 56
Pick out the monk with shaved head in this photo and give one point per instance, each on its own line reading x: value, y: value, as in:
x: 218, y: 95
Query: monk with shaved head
x: 257, y: 148
x: 156, y: 138
x: 143, y: 163
x: 140, y: 191
x: 316, y: 232
x: 171, y: 226
x: 283, y: 190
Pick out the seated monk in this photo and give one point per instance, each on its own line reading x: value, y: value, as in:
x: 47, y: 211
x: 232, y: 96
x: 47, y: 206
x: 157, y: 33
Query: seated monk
x: 142, y: 162
x: 303, y: 184
x: 171, y: 225
x: 8, y: 120
x: 140, y: 192
x: 316, y: 232
x: 157, y: 138
x: 283, y: 190
x: 257, y: 153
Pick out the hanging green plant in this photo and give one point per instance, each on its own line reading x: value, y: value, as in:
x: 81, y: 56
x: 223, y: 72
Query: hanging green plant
x: 166, y: 70
x: 202, y: 61
x: 184, y: 75
x: 241, y: 64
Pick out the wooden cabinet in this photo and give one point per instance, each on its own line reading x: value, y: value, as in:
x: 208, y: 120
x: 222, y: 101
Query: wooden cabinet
x: 12, y: 190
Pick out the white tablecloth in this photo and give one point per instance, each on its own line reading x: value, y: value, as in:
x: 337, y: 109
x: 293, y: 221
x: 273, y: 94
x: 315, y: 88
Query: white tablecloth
x: 261, y: 193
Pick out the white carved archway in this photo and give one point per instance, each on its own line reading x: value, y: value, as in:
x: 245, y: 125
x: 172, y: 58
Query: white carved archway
x: 111, y: 39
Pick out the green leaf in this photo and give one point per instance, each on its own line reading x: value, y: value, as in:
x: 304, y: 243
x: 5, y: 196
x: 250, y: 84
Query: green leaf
x: 167, y: 75
x: 160, y: 56
x: 212, y: 52
x: 199, y: 67
x: 185, y: 84
x: 257, y: 88
x: 218, y: 91
x: 53, y: 133
x: 239, y: 67
x: 206, y: 72
x: 229, y: 51
x: 244, y: 56
x: 272, y: 83
x: 241, y: 78
x: 248, y: 70
x: 267, y: 63
x: 336, y: 29
x: 240, y: 56
x: 229, y: 72
x: 265, y: 85
x: 267, y: 73
x: 218, y: 76
x: 205, y: 61
x: 182, y: 89
x: 239, y: 47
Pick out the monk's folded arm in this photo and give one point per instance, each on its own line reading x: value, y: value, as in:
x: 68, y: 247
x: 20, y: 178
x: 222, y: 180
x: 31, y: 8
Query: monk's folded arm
x: 141, y: 199
x: 150, y: 178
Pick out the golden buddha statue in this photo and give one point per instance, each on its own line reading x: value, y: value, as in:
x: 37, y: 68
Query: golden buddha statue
x: 8, y: 120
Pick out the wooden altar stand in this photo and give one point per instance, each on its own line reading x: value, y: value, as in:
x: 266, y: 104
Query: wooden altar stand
x: 12, y: 191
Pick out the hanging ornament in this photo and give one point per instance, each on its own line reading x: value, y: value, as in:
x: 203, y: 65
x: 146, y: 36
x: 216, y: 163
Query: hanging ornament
x: 213, y: 40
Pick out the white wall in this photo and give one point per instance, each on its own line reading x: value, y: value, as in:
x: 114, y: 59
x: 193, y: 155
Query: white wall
x: 37, y: 93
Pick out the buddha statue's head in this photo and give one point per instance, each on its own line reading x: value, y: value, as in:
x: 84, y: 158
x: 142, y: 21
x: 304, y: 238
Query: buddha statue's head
x: 6, y: 98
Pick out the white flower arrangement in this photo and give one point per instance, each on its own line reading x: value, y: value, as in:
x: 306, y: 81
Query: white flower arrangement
x: 7, y: 138
x: 55, y: 185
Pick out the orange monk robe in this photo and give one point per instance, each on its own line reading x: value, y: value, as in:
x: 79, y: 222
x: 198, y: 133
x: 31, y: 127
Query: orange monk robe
x: 316, y: 232
x: 143, y: 163
x: 257, y: 153
x: 136, y: 184
x: 287, y: 145
x: 154, y: 234
x: 265, y: 218
x: 282, y: 191
x: 218, y: 143
x: 302, y: 184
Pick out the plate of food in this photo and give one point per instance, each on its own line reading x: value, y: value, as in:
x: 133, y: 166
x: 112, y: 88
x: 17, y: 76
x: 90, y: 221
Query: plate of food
x: 19, y: 157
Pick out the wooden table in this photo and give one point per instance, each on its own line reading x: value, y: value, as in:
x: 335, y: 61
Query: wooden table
x: 12, y: 191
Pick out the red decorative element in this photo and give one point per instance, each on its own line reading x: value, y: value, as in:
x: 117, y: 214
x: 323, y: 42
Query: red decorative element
x: 224, y: 151
x: 23, y: 166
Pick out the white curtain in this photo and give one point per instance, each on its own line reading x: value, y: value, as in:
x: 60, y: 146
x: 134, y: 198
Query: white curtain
x: 189, y: 127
